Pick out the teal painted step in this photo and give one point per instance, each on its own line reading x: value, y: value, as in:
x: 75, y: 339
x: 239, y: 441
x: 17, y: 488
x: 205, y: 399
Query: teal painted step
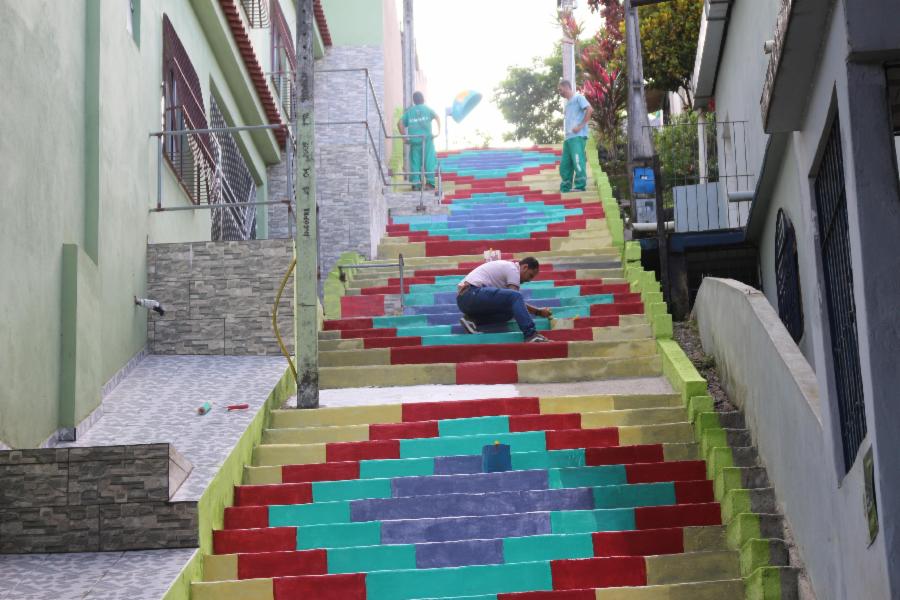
x: 482, y: 579
x: 528, y: 441
x: 606, y: 497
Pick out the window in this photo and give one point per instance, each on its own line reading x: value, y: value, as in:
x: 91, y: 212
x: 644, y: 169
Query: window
x: 232, y: 184
x: 284, y: 60
x: 834, y: 241
x: 893, y: 83
x: 787, y: 276
x: 188, y: 154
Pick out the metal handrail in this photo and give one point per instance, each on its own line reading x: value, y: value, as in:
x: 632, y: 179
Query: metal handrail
x: 385, y: 180
x: 400, y: 263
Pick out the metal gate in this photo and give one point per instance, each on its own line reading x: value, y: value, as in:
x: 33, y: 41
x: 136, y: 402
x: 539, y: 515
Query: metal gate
x: 834, y: 240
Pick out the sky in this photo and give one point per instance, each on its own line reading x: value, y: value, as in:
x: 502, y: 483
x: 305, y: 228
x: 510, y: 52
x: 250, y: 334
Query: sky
x: 470, y: 44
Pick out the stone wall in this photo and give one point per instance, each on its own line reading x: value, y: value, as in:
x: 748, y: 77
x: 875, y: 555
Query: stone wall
x: 219, y: 297
x: 95, y: 499
x: 353, y: 214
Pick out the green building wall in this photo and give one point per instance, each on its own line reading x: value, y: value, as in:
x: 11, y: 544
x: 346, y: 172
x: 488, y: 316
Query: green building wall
x: 354, y: 22
x: 79, y: 174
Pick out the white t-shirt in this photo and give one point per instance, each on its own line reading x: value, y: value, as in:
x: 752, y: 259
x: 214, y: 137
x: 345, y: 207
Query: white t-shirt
x: 496, y: 274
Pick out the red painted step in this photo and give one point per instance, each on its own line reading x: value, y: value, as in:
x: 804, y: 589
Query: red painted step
x: 270, y: 539
x: 321, y: 587
x: 464, y: 409
x: 620, y: 571
x: 678, y: 515
x: 279, y: 564
x: 647, y: 542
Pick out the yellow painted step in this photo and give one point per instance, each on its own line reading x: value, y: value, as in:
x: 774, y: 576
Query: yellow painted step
x: 601, y: 349
x: 349, y: 415
x: 247, y: 589
x: 730, y: 589
x: 315, y: 453
x: 269, y: 474
x: 360, y: 433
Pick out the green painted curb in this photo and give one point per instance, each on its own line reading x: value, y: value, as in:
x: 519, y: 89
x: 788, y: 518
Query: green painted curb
x: 718, y: 458
x: 742, y: 527
x: 765, y: 583
x: 699, y: 404
x: 756, y: 553
x: 679, y: 370
x: 736, y: 502
x: 728, y: 479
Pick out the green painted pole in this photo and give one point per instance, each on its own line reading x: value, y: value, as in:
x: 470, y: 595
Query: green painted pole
x: 306, y: 331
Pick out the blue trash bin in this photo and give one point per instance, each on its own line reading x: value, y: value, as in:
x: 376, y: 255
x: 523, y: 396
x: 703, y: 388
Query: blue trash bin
x: 496, y: 458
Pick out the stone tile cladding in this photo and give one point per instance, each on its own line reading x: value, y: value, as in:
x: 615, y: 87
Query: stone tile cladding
x: 92, y: 499
x: 353, y: 214
x: 219, y: 297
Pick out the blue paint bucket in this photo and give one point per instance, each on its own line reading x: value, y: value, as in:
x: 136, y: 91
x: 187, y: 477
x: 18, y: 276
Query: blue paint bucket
x: 496, y: 458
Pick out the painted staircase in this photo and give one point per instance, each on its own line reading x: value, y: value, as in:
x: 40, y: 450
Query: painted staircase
x: 608, y: 496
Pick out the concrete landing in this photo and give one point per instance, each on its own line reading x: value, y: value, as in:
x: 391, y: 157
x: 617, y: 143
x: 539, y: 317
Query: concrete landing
x: 432, y: 393
x: 156, y: 402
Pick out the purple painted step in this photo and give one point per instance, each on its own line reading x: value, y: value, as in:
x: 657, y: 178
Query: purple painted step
x: 435, y: 485
x: 460, y: 505
x: 457, y: 465
x: 459, y: 554
x: 415, y: 531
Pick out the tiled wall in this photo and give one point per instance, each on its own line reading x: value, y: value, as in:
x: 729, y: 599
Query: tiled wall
x: 219, y: 297
x: 94, y: 499
x: 353, y: 214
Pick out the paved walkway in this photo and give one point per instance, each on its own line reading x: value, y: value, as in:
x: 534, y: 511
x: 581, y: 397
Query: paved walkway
x: 156, y: 402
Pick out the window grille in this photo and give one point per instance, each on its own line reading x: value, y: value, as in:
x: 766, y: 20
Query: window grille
x: 231, y: 183
x: 834, y: 240
x: 257, y: 12
x: 284, y: 61
x: 189, y: 154
x: 787, y: 276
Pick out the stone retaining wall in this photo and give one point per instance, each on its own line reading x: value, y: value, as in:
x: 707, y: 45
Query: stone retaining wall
x: 94, y: 499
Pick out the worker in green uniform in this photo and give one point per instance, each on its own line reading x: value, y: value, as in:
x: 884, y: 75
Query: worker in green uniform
x: 578, y: 113
x: 417, y: 121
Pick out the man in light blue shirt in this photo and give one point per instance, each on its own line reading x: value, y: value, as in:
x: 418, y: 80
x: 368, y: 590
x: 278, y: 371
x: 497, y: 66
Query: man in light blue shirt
x: 572, y: 166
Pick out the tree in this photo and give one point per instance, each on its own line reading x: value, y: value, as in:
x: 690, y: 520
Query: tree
x: 528, y: 100
x: 669, y: 33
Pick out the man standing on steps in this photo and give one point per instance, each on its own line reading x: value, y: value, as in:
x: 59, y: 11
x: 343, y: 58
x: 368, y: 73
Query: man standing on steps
x: 490, y: 295
x: 417, y: 121
x: 573, y: 162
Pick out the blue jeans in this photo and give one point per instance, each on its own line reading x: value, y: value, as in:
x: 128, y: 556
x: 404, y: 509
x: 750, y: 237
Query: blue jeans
x: 492, y: 306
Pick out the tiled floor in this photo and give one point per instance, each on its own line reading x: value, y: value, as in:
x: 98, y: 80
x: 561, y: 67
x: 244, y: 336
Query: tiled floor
x: 156, y: 402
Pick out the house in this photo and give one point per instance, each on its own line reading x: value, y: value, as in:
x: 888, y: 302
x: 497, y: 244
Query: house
x: 87, y: 85
x: 818, y: 83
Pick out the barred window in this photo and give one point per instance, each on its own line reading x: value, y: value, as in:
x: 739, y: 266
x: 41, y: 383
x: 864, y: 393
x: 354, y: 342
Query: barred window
x: 232, y: 184
x: 284, y: 60
x: 188, y: 154
x: 787, y: 275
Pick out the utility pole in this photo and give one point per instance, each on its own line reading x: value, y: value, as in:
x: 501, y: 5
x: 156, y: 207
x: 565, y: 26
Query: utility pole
x: 565, y: 8
x: 409, y: 66
x: 306, y: 331
x: 640, y: 144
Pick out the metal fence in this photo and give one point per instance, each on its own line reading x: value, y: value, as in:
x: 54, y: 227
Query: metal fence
x: 706, y: 178
x: 834, y: 241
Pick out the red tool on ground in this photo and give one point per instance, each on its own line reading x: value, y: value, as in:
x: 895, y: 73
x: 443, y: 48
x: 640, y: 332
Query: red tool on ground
x: 238, y: 406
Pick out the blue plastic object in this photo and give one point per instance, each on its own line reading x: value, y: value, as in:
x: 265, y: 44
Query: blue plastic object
x: 496, y: 458
x: 643, y: 181
x: 463, y: 104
